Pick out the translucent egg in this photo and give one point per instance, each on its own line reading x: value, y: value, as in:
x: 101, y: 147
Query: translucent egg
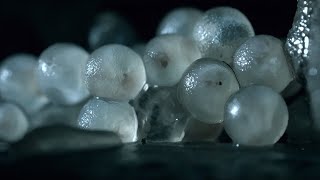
x: 256, y: 115
x: 220, y: 31
x: 18, y: 82
x: 167, y: 57
x: 261, y: 61
x: 199, y: 131
x: 205, y: 87
x: 117, y: 117
x: 115, y: 72
x: 179, y: 21
x: 110, y: 28
x: 56, y: 115
x: 61, y: 73
x: 13, y: 122
x: 161, y: 117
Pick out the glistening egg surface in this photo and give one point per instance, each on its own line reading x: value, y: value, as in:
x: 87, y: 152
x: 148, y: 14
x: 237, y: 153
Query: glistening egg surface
x: 18, y: 82
x: 61, y: 73
x: 220, y: 31
x: 115, y: 72
x: 117, y: 117
x: 205, y: 87
x: 256, y: 115
x: 261, y: 60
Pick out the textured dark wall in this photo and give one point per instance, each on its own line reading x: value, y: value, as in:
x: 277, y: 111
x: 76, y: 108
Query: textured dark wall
x: 30, y: 26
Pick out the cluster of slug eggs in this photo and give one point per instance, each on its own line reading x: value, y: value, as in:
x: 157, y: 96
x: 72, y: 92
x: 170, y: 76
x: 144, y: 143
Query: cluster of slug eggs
x: 204, y: 71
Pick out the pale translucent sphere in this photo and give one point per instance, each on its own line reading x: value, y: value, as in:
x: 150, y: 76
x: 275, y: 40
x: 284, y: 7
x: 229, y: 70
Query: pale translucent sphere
x: 221, y: 31
x: 256, y: 115
x: 117, y: 117
x: 179, y: 21
x: 61, y: 73
x: 261, y: 61
x: 18, y: 82
x: 205, y: 87
x: 110, y: 28
x: 115, y: 72
x: 160, y: 115
x: 13, y: 122
x: 199, y: 131
x: 56, y: 115
x: 167, y: 57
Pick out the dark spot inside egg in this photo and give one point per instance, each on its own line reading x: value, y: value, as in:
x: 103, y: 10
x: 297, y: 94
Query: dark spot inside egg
x: 164, y: 63
x: 210, y: 83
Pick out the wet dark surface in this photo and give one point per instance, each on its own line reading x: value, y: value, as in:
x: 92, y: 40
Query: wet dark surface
x: 174, y: 161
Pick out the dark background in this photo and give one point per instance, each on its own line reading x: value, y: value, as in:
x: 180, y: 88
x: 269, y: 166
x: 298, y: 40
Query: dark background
x: 30, y: 26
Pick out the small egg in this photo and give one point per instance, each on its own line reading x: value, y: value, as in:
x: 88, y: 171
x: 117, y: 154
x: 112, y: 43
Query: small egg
x: 198, y: 131
x: 117, y: 117
x: 166, y: 57
x: 220, y: 31
x: 13, y: 123
x: 256, y: 115
x: 54, y: 114
x: 179, y: 21
x: 110, y: 28
x: 18, y: 82
x: 115, y: 72
x: 261, y: 61
x: 161, y: 117
x: 205, y: 87
x: 61, y: 73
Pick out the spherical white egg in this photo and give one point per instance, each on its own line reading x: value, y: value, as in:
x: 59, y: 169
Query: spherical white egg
x: 261, y: 60
x: 117, y: 117
x: 18, y: 82
x: 256, y: 115
x: 61, y: 73
x: 13, y: 122
x: 179, y: 21
x: 167, y: 57
x: 205, y: 87
x: 115, y: 72
x: 220, y: 31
